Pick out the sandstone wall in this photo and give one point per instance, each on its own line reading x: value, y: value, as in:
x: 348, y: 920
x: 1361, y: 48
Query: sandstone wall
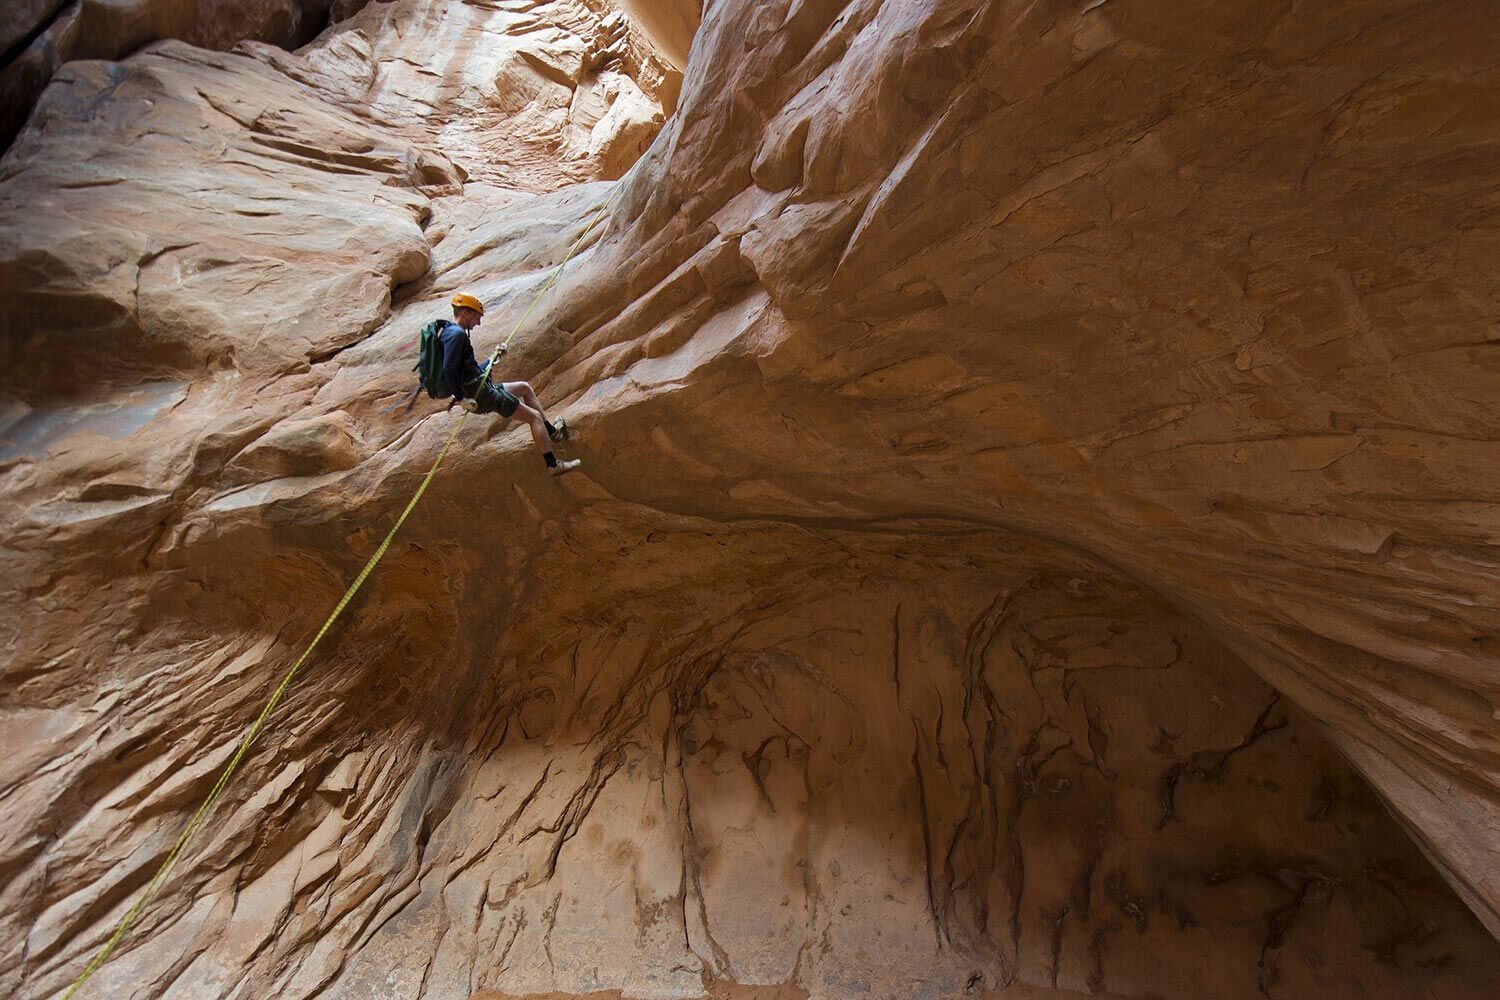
x: 1035, y: 537
x: 1241, y: 239
x: 38, y: 36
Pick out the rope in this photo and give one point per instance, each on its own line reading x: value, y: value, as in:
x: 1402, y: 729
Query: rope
x: 154, y: 886
x: 501, y: 347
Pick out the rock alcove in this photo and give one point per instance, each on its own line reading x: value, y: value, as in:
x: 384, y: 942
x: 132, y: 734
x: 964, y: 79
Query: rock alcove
x: 1036, y: 536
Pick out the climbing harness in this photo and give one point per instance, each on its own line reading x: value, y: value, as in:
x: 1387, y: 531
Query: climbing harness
x: 154, y: 886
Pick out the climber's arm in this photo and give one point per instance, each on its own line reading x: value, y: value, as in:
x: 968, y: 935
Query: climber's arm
x: 456, y: 347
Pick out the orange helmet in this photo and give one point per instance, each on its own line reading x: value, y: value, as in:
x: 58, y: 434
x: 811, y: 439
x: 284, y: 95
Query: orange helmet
x: 463, y: 300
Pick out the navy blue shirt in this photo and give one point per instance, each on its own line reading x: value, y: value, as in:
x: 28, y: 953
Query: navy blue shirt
x: 460, y: 369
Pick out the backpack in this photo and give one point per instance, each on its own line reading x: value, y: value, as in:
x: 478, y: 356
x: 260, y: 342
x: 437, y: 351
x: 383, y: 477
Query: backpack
x: 429, y: 366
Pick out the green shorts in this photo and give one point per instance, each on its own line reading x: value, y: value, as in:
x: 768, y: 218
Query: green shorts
x: 490, y: 397
x: 493, y: 399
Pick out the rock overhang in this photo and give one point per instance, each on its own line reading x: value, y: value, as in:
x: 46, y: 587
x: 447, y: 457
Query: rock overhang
x: 821, y: 421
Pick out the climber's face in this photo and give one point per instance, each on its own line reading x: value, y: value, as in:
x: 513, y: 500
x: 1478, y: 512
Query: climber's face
x: 467, y: 318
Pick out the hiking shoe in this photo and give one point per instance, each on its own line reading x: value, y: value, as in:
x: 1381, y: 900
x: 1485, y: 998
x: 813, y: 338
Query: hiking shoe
x: 559, y: 429
x: 563, y: 467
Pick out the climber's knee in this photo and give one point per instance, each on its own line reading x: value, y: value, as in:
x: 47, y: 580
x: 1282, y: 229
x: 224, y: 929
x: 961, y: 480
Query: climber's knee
x: 527, y: 414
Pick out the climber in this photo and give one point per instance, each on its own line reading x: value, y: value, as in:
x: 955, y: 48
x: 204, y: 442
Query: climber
x: 473, y: 390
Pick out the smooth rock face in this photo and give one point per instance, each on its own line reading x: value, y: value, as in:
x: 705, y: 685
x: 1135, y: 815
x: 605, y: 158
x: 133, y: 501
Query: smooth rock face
x: 1032, y: 452
x: 669, y: 24
x: 38, y: 36
x: 528, y: 95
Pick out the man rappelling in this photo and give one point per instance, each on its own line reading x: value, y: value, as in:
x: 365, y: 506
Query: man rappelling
x: 448, y: 368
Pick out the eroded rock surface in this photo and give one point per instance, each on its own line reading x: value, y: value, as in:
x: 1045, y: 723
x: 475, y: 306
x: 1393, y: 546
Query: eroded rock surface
x: 38, y: 36
x: 1036, y: 534
x: 528, y: 95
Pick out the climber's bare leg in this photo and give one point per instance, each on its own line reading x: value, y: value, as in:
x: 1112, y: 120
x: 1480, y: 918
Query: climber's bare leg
x: 532, y: 417
x: 526, y: 394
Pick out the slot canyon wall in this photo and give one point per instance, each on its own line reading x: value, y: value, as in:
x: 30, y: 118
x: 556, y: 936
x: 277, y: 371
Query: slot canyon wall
x: 38, y: 36
x: 1036, y: 535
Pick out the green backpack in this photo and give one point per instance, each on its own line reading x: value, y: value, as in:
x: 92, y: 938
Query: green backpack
x: 429, y: 367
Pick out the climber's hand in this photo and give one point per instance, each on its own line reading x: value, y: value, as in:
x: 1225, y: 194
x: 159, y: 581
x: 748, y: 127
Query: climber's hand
x: 500, y: 351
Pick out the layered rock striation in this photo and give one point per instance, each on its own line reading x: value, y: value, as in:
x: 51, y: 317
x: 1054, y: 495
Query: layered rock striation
x: 38, y: 36
x: 1034, y: 540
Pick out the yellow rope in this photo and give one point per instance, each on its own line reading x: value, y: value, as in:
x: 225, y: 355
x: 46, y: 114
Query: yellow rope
x: 154, y: 886
x: 557, y: 272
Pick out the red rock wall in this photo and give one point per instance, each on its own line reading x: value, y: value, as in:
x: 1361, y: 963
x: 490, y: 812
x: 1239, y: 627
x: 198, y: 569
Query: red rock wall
x: 38, y: 36
x: 1032, y: 538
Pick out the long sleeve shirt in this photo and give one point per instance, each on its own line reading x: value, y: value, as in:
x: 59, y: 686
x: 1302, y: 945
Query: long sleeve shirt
x: 460, y: 369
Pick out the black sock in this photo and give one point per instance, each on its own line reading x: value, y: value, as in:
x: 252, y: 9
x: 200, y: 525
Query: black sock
x: 550, y: 459
x: 550, y: 429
